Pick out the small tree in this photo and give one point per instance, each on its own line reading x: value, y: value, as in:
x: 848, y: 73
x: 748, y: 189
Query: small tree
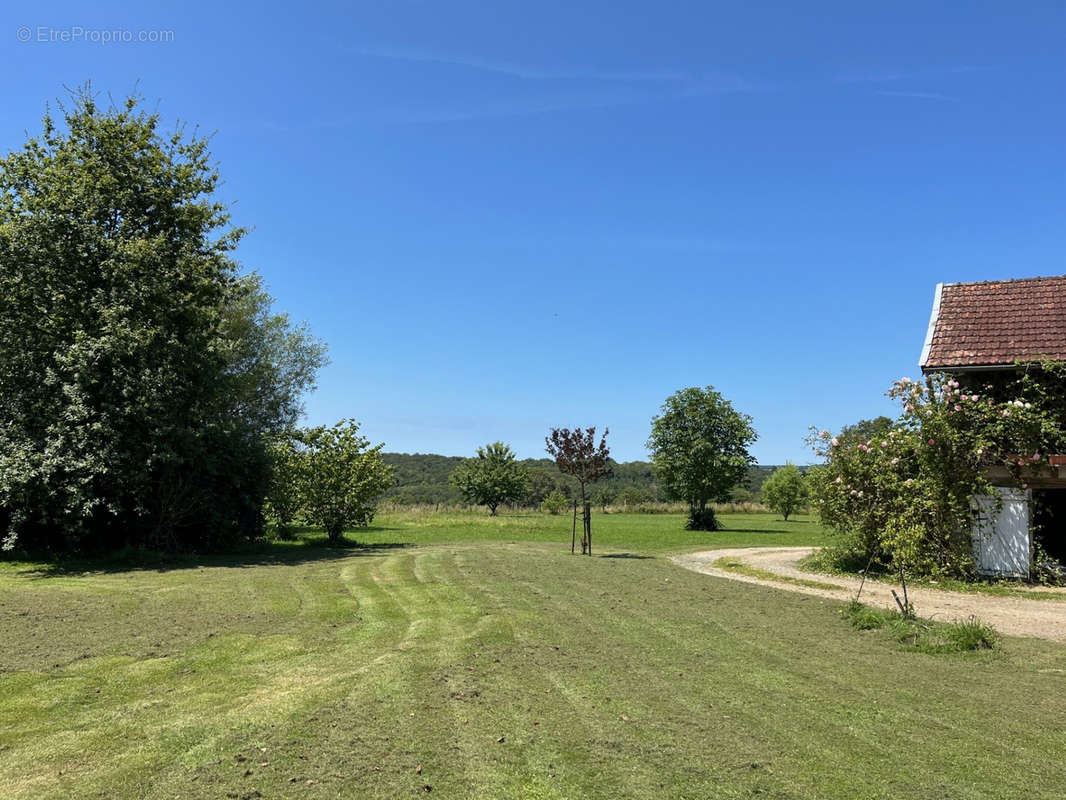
x: 284, y: 499
x: 785, y: 491
x: 699, y: 446
x: 342, y: 477
x: 494, y: 476
x: 576, y: 453
x: 554, y: 503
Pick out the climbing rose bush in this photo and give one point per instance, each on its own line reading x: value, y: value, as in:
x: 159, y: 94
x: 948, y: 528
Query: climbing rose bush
x: 904, y: 499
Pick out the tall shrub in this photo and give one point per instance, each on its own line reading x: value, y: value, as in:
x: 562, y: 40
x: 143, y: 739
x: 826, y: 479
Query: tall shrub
x: 904, y: 499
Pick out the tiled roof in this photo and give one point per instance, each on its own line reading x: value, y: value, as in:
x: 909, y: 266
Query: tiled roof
x: 996, y: 323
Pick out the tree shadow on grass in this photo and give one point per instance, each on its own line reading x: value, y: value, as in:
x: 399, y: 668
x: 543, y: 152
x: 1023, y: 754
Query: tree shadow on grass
x: 304, y: 550
x: 624, y: 555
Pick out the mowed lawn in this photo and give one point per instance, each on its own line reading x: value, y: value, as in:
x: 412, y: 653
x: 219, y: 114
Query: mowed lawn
x: 469, y: 657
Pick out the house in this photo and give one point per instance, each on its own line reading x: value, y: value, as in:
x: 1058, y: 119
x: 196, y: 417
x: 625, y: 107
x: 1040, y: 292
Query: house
x: 976, y: 331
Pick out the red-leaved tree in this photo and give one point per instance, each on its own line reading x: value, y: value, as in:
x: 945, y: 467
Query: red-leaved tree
x: 577, y: 453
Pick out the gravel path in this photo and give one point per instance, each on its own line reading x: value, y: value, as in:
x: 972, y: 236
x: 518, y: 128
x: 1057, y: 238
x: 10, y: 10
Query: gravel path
x: 1045, y: 619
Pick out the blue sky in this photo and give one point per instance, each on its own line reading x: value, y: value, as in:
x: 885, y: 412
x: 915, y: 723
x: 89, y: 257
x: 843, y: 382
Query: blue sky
x: 506, y: 216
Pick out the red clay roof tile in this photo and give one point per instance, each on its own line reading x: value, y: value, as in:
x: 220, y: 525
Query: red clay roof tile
x: 997, y: 323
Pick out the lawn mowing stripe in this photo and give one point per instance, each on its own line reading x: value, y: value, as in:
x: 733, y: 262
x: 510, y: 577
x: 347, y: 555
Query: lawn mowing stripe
x: 547, y: 753
x: 579, y: 693
x: 755, y: 645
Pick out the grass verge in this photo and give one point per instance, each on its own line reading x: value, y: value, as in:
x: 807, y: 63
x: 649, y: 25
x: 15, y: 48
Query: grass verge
x: 925, y: 636
x: 734, y: 565
x: 820, y: 562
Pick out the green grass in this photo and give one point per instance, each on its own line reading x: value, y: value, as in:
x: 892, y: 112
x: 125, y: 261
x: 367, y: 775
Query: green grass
x: 484, y: 653
x: 639, y: 532
x: 923, y: 635
x: 739, y: 567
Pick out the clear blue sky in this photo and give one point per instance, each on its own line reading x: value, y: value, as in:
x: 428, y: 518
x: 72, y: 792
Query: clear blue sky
x: 505, y: 216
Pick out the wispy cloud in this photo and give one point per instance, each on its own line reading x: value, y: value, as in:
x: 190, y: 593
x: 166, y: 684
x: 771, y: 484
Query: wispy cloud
x: 691, y: 244
x: 510, y: 109
x: 426, y: 114
x: 871, y: 77
x: 921, y: 95
x: 695, y: 243
x: 524, y: 71
x: 890, y: 76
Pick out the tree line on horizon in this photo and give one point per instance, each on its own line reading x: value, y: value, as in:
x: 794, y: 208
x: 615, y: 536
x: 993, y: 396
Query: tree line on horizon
x: 424, y: 479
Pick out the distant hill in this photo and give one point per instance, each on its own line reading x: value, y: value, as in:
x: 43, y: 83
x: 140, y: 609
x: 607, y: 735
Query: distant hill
x: 423, y: 478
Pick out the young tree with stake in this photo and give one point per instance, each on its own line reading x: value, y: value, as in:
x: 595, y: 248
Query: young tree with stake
x: 577, y: 453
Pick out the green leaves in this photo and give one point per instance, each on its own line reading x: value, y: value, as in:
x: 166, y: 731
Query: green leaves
x: 140, y: 375
x: 904, y: 495
x: 699, y: 445
x: 785, y: 491
x: 493, y: 477
x: 341, y: 476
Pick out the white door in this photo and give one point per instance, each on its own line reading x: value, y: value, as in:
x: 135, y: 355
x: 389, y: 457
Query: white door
x: 1001, y: 542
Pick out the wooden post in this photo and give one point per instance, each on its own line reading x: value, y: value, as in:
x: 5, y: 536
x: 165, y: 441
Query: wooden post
x: 588, y: 526
x: 863, y: 581
x: 573, y: 530
x: 902, y: 608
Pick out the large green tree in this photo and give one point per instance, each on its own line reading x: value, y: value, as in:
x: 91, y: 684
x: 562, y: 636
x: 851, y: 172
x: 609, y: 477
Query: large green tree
x: 699, y: 446
x: 140, y: 374
x: 492, y: 477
